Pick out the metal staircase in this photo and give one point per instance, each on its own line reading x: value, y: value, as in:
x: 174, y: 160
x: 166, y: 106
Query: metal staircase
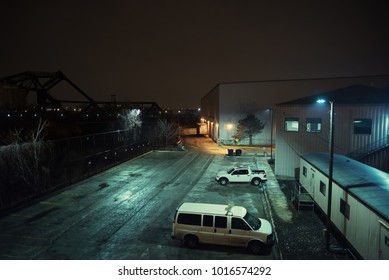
x: 370, y: 149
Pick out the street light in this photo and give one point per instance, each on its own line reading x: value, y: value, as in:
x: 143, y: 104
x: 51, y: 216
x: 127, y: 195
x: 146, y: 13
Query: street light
x: 330, y: 171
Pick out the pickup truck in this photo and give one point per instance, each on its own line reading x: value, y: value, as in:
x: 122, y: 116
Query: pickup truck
x: 241, y: 175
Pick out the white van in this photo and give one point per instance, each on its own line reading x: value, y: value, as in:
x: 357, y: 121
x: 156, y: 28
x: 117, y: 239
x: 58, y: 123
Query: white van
x: 231, y: 225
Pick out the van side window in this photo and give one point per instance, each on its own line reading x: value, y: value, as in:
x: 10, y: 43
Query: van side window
x: 207, y: 221
x: 220, y: 222
x: 189, y: 219
x: 237, y: 223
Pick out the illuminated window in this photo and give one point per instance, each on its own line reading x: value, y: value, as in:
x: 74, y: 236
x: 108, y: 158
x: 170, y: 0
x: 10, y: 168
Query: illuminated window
x: 291, y: 124
x: 362, y: 126
x: 323, y: 188
x: 313, y: 125
x: 345, y: 208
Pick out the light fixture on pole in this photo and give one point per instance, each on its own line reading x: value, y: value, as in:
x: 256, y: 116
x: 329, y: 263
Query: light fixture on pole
x: 331, y: 169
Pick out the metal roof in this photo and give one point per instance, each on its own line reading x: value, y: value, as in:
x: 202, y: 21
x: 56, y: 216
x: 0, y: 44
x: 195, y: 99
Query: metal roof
x: 367, y: 184
x: 356, y: 94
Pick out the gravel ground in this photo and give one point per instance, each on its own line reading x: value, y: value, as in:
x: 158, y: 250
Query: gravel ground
x: 302, y: 238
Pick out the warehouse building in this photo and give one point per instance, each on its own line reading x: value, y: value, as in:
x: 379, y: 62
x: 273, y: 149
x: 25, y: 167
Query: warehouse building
x: 360, y: 126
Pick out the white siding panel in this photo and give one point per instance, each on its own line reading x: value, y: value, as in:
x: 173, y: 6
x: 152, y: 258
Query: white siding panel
x: 374, y: 237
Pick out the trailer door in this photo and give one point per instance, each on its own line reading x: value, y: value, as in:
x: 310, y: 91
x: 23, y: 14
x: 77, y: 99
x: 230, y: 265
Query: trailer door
x: 384, y: 242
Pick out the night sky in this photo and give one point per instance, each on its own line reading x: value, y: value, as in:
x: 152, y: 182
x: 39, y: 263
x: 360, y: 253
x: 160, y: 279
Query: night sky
x: 174, y: 52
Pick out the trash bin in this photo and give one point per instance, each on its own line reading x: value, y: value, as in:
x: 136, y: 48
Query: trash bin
x: 238, y: 152
x: 230, y: 152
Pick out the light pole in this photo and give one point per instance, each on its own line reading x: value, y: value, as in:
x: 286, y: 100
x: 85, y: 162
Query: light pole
x: 330, y: 171
x: 271, y: 134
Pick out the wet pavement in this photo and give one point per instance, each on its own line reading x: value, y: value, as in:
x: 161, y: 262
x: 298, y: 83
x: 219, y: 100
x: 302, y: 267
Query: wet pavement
x: 126, y: 212
x: 300, y: 234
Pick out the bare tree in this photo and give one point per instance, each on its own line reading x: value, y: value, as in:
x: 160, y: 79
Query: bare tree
x: 26, y: 155
x: 132, y: 120
x: 168, y: 130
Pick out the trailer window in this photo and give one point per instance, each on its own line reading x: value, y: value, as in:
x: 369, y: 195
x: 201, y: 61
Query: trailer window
x: 345, y: 208
x: 304, y: 171
x: 323, y: 188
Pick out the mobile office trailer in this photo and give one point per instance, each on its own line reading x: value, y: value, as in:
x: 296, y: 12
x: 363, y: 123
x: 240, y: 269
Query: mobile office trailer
x: 359, y: 204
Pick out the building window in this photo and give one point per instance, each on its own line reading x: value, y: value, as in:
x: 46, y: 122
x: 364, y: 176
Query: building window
x: 362, y: 126
x: 291, y: 124
x: 313, y: 125
x: 304, y: 171
x: 345, y: 208
x: 323, y: 188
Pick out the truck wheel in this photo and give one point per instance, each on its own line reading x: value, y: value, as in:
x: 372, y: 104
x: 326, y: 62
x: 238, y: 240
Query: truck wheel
x: 223, y: 181
x: 255, y: 247
x: 256, y: 182
x: 191, y: 241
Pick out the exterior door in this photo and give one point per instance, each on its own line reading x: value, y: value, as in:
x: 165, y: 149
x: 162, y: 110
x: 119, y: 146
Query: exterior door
x: 384, y: 242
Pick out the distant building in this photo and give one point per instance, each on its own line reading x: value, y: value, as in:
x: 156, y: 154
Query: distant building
x: 361, y: 127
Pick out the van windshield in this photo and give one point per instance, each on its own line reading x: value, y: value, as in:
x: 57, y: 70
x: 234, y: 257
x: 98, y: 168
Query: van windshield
x: 253, y: 221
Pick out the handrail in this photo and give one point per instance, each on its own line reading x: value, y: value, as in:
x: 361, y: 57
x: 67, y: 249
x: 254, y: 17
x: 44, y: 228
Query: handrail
x: 369, y: 148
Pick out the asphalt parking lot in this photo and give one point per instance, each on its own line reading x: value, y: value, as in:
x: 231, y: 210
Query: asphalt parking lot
x: 300, y: 234
x: 126, y: 212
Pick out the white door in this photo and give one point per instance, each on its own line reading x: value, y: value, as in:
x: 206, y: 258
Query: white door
x: 384, y: 242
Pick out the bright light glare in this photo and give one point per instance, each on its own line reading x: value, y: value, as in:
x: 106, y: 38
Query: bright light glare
x: 321, y: 101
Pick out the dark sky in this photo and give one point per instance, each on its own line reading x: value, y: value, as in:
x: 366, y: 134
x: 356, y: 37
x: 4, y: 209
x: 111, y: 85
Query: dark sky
x: 175, y: 51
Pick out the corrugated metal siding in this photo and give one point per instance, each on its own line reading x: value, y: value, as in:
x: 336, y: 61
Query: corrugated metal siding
x: 210, y: 111
x: 291, y: 145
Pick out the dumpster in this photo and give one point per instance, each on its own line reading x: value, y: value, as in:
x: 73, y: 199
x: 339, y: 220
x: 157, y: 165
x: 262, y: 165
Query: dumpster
x: 230, y: 152
x: 238, y: 152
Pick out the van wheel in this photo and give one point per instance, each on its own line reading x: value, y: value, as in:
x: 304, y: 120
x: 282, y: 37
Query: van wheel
x: 256, y: 182
x: 223, y: 181
x: 255, y: 247
x: 191, y: 241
